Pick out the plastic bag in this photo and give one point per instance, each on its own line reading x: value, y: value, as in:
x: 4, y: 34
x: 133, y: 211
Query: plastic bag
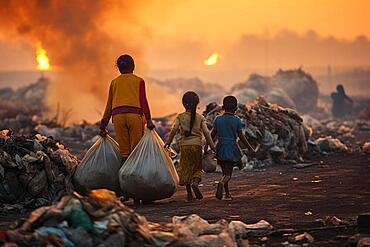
x: 148, y: 173
x: 100, y: 166
x: 209, y: 164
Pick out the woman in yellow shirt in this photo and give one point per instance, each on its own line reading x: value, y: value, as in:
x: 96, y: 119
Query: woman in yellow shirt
x: 127, y: 103
x: 192, y: 126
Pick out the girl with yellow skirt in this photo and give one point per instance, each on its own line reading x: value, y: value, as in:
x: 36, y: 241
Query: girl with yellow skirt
x: 191, y: 126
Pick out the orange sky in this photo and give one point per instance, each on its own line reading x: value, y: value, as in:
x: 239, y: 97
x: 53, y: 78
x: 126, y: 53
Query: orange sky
x: 222, y: 20
x: 171, y: 38
x: 167, y: 26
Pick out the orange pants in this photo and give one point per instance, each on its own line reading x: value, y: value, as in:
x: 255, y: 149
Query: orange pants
x: 129, y: 128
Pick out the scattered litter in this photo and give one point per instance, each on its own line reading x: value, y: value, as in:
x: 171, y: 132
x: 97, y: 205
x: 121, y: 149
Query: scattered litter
x: 316, y: 181
x: 308, y: 213
x: 329, y: 144
x: 303, y: 237
x: 80, y: 221
x: 333, y: 221
x: 241, y: 229
x: 305, y: 165
x: 364, y: 242
x: 366, y: 147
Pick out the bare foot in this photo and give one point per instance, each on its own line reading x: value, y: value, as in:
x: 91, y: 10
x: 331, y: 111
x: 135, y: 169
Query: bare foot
x: 228, y: 197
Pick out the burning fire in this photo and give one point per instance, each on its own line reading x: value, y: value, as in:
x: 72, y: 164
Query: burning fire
x: 212, y: 60
x: 41, y: 58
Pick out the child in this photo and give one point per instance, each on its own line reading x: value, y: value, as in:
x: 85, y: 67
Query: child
x: 191, y: 126
x: 228, y: 128
x: 127, y: 104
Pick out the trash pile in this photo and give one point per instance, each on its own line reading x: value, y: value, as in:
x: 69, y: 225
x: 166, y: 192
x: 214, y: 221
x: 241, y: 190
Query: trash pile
x: 294, y: 89
x: 20, y: 108
x: 280, y: 132
x: 99, y: 219
x: 78, y: 137
x: 23, y: 110
x: 300, y: 86
x: 34, y: 170
x: 338, y: 135
x: 258, y: 85
x: 27, y: 100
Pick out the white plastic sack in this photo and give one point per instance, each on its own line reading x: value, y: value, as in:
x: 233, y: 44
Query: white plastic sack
x: 209, y: 163
x: 99, y: 167
x: 148, y: 173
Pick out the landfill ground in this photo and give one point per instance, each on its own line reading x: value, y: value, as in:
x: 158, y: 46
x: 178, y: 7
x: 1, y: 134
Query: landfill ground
x: 284, y: 196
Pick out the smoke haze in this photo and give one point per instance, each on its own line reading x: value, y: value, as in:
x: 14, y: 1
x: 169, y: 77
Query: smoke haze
x: 77, y: 37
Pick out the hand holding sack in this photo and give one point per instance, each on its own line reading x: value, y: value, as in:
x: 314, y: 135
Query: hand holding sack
x: 148, y: 173
x: 99, y: 167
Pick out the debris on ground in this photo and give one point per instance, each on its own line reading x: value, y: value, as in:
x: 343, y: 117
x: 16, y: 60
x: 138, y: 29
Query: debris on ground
x: 102, y: 220
x: 351, y: 133
x: 366, y: 147
x: 302, y: 237
x: 333, y: 221
x: 364, y: 242
x: 34, y: 170
x: 280, y: 132
x: 330, y: 144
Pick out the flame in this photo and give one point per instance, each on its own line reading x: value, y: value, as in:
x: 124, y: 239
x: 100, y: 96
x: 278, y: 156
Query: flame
x: 41, y: 58
x: 212, y: 60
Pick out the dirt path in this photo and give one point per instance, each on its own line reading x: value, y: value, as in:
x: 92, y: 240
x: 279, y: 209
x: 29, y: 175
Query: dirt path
x: 282, y: 195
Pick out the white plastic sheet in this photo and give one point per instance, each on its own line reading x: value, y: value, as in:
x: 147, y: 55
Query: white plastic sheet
x: 148, y: 173
x: 99, y: 167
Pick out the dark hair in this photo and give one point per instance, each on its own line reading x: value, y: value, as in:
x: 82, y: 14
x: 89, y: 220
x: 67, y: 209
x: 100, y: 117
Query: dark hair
x: 230, y: 103
x: 190, y: 100
x: 125, y: 63
x: 340, y: 89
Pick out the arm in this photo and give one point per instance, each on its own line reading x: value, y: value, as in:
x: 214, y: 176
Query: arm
x: 348, y: 99
x: 107, y: 112
x: 145, y: 105
x: 173, y: 132
x: 245, y: 141
x: 213, y: 134
x: 207, y: 135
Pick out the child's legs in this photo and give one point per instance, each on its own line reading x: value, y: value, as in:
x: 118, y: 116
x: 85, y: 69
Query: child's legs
x: 189, y: 192
x: 190, y: 164
x: 227, y: 170
x: 135, y: 126
x: 122, y: 134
